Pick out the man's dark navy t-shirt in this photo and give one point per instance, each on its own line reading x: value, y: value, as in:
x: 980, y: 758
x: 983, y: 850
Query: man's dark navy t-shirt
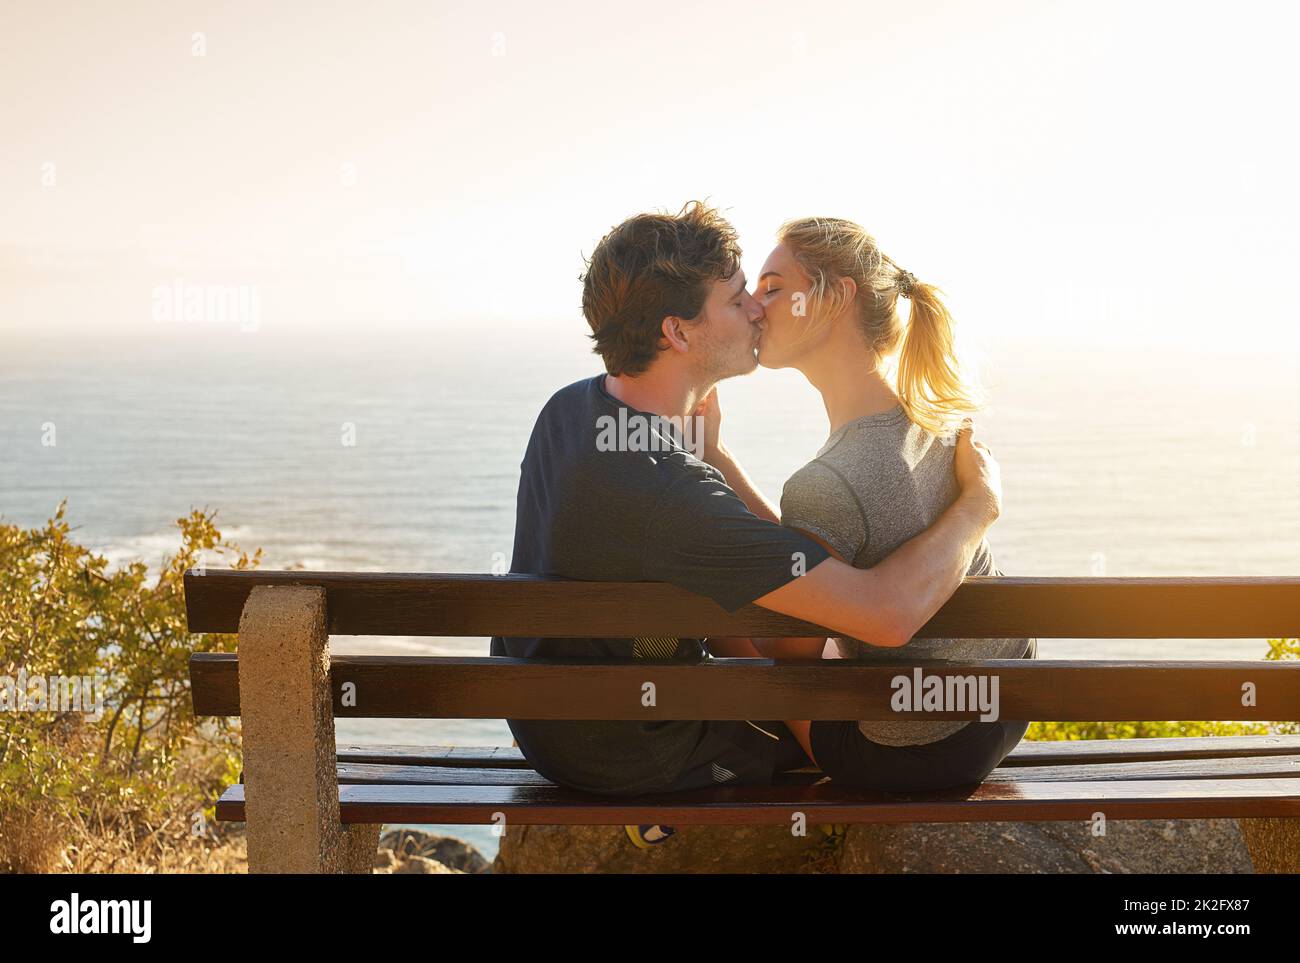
x: 647, y: 510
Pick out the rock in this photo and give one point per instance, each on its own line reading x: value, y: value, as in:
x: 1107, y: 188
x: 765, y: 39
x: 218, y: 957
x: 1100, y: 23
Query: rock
x: 421, y: 864
x: 1129, y: 846
x: 403, y: 842
x: 694, y: 849
x: 1142, y: 846
x: 456, y: 854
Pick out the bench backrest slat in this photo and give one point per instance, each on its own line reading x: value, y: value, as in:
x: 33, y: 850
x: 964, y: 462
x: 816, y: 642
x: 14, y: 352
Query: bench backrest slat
x: 361, y: 603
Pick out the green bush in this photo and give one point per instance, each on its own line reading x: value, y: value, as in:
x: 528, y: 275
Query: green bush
x: 68, y: 779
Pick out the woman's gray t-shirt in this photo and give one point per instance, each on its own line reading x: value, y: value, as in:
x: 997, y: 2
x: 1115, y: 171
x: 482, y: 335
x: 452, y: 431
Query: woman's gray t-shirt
x: 879, y: 481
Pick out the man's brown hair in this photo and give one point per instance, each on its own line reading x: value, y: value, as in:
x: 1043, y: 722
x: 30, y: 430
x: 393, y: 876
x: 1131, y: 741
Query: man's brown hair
x: 650, y: 267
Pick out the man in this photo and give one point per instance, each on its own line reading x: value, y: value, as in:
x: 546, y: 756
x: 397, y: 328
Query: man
x: 671, y: 317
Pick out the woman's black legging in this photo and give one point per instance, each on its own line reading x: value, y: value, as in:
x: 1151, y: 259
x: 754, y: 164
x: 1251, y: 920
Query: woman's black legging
x: 965, y: 757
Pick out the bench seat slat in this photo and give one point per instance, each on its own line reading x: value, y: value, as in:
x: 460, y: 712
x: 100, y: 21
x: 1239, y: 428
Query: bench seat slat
x: 367, y: 773
x: 1282, y: 766
x: 1070, y: 751
x: 1278, y: 766
x: 493, y: 757
x: 752, y: 805
x: 1041, y: 753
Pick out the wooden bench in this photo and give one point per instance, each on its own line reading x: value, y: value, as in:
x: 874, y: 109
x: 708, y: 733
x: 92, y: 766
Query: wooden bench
x: 310, y: 806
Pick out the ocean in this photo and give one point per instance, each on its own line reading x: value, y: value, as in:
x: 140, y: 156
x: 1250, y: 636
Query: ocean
x: 1115, y: 461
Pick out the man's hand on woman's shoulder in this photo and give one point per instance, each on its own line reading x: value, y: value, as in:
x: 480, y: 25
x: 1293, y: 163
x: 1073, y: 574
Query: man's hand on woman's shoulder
x: 977, y: 473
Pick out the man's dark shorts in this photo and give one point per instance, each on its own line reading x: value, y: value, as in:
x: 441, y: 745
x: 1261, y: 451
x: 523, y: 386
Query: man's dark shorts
x: 742, y: 754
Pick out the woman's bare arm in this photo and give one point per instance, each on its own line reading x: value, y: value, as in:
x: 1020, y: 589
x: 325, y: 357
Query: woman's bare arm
x: 717, y: 455
x: 740, y: 483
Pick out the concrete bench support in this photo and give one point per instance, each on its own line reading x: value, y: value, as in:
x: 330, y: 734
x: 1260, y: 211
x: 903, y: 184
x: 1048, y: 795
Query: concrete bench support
x: 292, y: 817
x: 1273, y: 844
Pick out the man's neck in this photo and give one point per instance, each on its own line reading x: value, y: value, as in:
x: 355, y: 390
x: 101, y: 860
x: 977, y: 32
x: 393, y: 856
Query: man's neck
x: 659, y: 391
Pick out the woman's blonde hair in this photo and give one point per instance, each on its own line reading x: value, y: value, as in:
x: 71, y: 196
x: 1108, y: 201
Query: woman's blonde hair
x: 929, y: 379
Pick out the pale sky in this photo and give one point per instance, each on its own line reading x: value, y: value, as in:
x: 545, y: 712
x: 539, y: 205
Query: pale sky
x: 1095, y: 172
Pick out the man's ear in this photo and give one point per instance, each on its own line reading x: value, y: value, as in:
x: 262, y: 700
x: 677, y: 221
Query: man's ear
x: 675, y: 333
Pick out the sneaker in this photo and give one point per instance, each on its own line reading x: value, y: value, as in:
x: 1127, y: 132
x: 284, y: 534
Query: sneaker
x: 643, y: 837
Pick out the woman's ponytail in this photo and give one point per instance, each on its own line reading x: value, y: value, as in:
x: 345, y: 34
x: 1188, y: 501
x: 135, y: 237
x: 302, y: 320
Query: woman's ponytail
x: 930, y: 382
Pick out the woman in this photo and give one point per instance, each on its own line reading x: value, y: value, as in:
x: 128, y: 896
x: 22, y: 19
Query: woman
x: 884, y: 475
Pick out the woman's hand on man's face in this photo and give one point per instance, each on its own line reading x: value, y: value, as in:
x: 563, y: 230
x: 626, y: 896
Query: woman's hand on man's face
x: 711, y: 411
